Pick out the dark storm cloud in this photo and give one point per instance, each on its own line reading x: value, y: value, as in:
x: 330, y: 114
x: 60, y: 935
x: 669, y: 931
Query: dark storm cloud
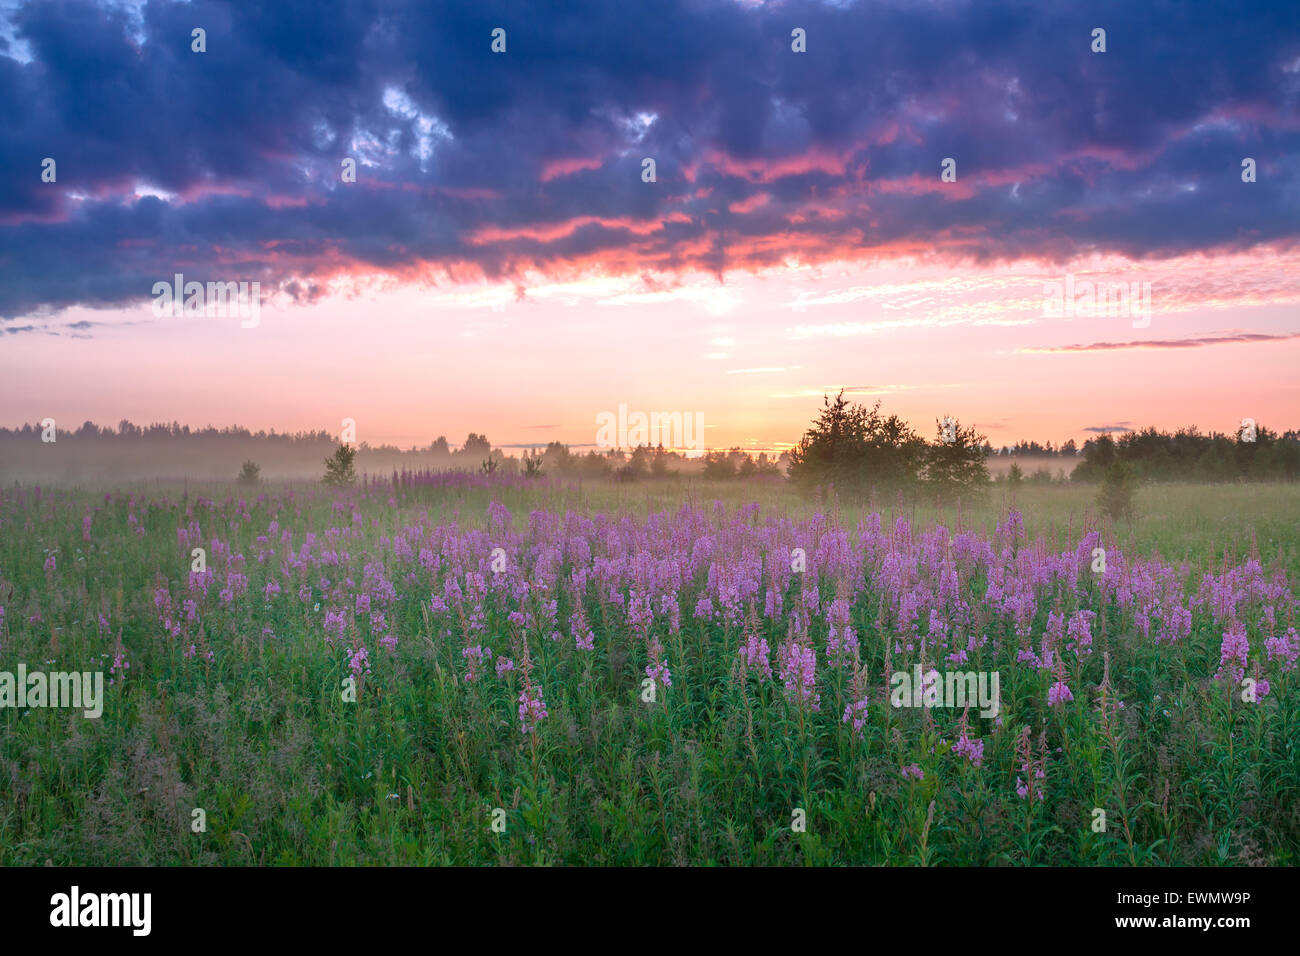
x: 491, y: 164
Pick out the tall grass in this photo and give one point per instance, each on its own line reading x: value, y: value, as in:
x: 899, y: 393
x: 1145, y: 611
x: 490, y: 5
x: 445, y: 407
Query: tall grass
x: 259, y: 737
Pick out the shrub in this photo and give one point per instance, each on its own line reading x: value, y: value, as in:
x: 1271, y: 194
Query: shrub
x: 1117, y: 489
x: 954, y: 463
x: 718, y: 466
x: 250, y: 474
x: 338, y: 467
x: 855, y: 448
x: 659, y: 463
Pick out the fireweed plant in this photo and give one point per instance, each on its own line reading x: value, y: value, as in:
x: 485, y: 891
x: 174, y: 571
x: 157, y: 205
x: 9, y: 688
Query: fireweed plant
x: 519, y: 692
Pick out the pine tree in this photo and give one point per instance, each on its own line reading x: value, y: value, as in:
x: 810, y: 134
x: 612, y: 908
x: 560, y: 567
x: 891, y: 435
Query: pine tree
x: 338, y: 467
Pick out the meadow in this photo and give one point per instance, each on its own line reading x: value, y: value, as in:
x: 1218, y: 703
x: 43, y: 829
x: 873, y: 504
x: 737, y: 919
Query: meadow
x: 473, y: 670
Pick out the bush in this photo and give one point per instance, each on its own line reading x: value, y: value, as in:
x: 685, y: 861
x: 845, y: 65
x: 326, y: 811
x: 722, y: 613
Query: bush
x: 856, y: 449
x: 1117, y: 489
x: 338, y: 467
x: 718, y: 466
x: 250, y: 474
x: 659, y: 463
x: 954, y: 463
x: 859, y: 450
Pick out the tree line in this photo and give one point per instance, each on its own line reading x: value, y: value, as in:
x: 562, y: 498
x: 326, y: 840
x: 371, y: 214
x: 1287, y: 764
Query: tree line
x: 860, y: 450
x: 1258, y: 454
x: 850, y: 446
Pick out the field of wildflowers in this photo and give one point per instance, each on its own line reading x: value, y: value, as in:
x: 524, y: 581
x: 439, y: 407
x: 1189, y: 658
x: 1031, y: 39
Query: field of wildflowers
x: 455, y: 669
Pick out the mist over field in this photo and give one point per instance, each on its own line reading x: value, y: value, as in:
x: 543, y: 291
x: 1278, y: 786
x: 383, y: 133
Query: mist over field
x: 175, y: 452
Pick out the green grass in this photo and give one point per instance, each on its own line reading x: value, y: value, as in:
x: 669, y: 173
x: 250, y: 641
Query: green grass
x: 287, y: 772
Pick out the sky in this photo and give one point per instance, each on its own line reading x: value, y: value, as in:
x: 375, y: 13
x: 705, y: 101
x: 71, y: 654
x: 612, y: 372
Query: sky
x: 502, y: 265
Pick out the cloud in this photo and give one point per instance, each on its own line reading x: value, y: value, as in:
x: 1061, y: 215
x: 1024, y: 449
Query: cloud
x: 1228, y: 338
x: 225, y: 165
